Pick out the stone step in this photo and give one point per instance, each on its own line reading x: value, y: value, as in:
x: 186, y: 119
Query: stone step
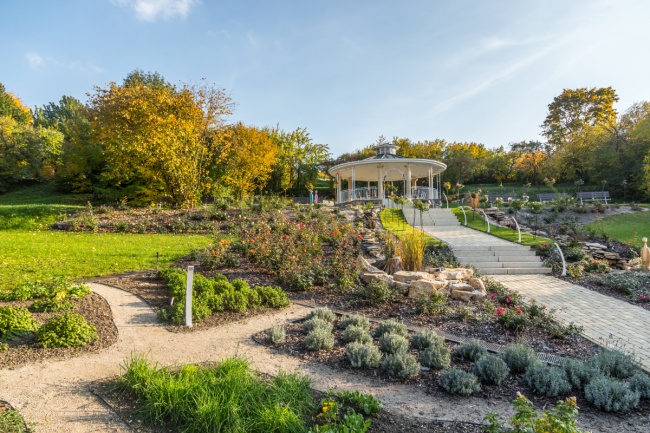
x: 491, y: 258
x: 514, y: 271
x: 508, y: 265
x: 482, y: 253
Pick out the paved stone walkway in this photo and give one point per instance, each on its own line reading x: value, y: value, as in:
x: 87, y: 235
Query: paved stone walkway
x: 606, y: 320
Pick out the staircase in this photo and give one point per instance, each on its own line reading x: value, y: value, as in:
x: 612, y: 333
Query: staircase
x: 487, y: 253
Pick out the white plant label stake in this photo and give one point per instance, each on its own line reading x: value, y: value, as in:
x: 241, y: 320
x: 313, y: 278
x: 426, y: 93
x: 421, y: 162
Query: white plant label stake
x: 188, y: 297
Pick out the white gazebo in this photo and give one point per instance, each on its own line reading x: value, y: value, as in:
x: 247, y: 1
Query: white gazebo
x: 366, y: 180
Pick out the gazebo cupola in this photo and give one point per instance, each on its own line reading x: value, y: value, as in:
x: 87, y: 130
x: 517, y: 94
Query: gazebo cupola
x: 386, y: 167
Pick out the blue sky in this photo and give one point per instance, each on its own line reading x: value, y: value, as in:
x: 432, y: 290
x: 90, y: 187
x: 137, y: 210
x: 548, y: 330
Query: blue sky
x: 348, y: 71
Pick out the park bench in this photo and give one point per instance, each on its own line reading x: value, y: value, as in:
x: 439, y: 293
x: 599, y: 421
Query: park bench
x: 544, y: 197
x: 594, y: 195
x: 505, y: 197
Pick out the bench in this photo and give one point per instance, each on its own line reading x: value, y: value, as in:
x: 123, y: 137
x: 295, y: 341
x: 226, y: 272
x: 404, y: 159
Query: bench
x: 544, y: 197
x: 505, y: 197
x: 595, y: 195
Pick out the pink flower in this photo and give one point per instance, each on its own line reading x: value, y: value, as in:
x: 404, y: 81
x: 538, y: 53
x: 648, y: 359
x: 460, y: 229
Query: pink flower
x: 508, y: 300
x: 500, y: 311
x: 493, y: 295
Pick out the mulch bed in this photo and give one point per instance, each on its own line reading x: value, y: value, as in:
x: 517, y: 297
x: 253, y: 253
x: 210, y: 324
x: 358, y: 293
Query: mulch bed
x: 92, y: 307
x: 428, y: 379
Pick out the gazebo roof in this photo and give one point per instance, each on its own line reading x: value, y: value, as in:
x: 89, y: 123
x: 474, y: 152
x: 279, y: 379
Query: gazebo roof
x: 393, y: 166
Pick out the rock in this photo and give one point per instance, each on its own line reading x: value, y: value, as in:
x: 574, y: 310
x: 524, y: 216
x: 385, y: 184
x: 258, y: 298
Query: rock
x: 400, y: 285
x: 454, y: 274
x: 425, y: 287
x: 465, y: 292
x: 366, y: 267
x: 477, y: 284
x: 595, y: 246
x: 612, y: 256
x: 408, y: 276
x: 370, y: 277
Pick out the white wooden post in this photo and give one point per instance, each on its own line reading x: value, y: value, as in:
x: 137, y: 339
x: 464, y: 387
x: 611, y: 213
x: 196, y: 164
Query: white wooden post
x: 464, y: 214
x: 188, y: 297
x: 447, y: 200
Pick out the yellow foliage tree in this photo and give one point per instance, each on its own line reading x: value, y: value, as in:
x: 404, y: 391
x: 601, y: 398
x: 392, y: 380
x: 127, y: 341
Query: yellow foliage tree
x: 250, y: 161
x: 158, y: 136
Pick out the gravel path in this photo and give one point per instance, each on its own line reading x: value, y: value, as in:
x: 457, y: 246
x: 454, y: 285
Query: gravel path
x: 53, y: 396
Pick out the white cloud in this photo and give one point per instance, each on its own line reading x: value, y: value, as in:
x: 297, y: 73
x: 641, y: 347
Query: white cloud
x: 151, y: 10
x: 35, y: 60
x: 252, y: 39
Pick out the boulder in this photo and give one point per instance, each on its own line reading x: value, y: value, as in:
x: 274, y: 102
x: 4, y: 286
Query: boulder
x: 477, y: 284
x: 369, y: 277
x: 465, y: 292
x: 366, y: 267
x: 454, y: 274
x: 425, y: 287
x: 408, y: 276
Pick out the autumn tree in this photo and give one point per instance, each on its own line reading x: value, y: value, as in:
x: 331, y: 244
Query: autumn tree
x: 250, y: 160
x: 28, y: 153
x: 159, y: 138
x: 575, y: 110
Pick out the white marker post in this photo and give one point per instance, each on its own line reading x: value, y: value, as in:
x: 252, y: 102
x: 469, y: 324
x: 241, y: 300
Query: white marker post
x: 464, y: 214
x: 188, y: 297
x: 486, y: 220
x: 562, y: 257
x: 518, y: 229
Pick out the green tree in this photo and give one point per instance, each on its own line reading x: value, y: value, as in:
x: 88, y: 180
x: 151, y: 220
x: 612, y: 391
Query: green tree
x: 576, y: 109
x: 12, y: 107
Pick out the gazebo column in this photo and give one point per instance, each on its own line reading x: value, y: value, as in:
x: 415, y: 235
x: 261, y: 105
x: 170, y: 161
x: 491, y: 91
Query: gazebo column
x: 380, y: 184
x: 338, y: 188
x: 354, y: 181
x: 408, y: 181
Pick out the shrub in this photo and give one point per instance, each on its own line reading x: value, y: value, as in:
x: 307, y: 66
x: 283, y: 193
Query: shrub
x: 277, y: 334
x: 611, y: 395
x: 356, y: 333
x: 272, y: 297
x: 575, y: 270
x: 363, y: 355
x: 628, y: 283
x: 471, y: 350
x: 513, y: 319
x: 367, y: 403
x: 402, y: 365
x: 456, y: 381
x: 356, y: 320
x: 16, y: 322
x: 547, y: 380
x: 491, y: 369
x: 432, y: 304
x: 436, y: 356
x: 391, y: 326
x: 67, y: 330
x: 377, y: 292
x: 519, y: 357
x: 319, y: 339
x: 614, y: 363
x: 323, y: 313
x: 393, y: 343
x: 640, y: 383
x: 578, y: 372
x: 316, y: 323
x: 423, y: 339
x: 233, y: 301
x: 48, y: 305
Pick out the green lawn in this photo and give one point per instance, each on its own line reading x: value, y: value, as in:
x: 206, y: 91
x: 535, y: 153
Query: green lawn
x: 37, y: 207
x: 393, y: 221
x: 626, y: 228
x: 477, y: 222
x: 41, y: 255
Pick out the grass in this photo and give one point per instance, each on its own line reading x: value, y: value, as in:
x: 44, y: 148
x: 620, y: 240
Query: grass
x: 26, y: 256
x: 37, y: 207
x: 223, y: 397
x: 393, y: 220
x: 12, y: 422
x: 476, y: 222
x: 625, y: 228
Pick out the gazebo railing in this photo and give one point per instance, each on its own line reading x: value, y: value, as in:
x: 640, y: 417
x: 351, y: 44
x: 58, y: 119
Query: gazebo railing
x: 424, y: 193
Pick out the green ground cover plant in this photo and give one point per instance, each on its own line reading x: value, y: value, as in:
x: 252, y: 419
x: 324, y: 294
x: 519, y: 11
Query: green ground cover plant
x: 393, y: 221
x: 66, y: 330
x: 215, y: 294
x: 11, y: 421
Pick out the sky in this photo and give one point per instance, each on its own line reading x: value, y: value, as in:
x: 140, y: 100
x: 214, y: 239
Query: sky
x: 348, y: 71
